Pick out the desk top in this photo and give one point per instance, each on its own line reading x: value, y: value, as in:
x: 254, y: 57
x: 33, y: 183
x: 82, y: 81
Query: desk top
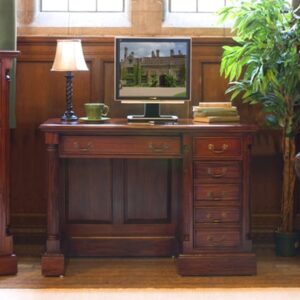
x: 115, y: 125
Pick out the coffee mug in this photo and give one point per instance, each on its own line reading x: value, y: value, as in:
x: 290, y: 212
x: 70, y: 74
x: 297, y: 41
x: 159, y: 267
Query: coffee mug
x: 95, y: 111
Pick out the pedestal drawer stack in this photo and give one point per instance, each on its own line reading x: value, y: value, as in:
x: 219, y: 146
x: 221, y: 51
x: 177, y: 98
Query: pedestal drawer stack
x: 216, y: 240
x: 217, y: 206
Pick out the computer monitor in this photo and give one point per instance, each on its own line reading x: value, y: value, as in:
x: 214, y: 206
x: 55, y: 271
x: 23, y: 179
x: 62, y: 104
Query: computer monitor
x: 152, y: 71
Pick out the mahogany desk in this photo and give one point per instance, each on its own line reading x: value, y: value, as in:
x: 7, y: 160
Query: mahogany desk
x: 119, y: 189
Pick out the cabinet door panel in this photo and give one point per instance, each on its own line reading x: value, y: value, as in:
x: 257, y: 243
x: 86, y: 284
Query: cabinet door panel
x: 147, y: 197
x: 89, y: 193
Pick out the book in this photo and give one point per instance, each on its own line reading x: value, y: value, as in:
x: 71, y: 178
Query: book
x: 215, y: 111
x: 215, y: 104
x: 217, y: 119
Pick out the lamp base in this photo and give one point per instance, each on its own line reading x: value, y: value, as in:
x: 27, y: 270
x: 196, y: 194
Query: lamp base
x: 69, y: 116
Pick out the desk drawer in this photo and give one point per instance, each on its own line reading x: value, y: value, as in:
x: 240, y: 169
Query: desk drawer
x: 120, y: 145
x: 217, y: 147
x: 217, y: 192
x: 216, y: 172
x: 216, y: 215
x: 216, y: 238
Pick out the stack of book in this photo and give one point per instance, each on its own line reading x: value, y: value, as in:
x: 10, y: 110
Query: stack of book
x: 215, y: 112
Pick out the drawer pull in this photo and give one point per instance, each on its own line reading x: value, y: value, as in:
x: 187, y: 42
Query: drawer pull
x: 208, y: 217
x: 211, y: 147
x: 215, y: 239
x: 158, y: 149
x: 83, y: 149
x: 213, y: 172
x: 216, y: 197
x: 216, y: 221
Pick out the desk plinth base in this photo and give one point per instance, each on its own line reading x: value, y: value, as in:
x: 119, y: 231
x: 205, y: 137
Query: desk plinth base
x: 217, y: 264
x: 8, y: 265
x: 53, y: 264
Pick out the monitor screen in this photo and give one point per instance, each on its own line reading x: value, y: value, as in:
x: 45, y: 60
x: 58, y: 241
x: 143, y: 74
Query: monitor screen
x: 152, y: 69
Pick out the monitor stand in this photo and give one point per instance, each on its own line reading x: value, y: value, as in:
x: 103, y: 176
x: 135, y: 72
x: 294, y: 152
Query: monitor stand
x: 152, y: 114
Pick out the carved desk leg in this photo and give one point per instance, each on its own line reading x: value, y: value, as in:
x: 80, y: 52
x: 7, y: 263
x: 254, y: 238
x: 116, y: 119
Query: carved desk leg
x: 53, y: 261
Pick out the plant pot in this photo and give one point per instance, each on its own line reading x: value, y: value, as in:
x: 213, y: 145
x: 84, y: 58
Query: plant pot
x: 286, y: 243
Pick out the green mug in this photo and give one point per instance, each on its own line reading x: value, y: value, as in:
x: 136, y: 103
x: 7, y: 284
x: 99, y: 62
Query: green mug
x: 95, y: 111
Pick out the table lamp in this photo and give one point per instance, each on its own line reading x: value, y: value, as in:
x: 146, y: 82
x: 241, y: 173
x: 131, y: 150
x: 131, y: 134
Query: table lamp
x: 68, y: 58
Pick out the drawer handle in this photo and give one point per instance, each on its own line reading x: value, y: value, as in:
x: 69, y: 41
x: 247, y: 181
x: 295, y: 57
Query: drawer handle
x: 216, y: 197
x: 211, y: 147
x: 83, y: 149
x: 208, y: 216
x: 213, y: 172
x: 158, y: 149
x: 215, y: 239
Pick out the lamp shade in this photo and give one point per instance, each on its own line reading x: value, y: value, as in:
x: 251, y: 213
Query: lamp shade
x: 69, y: 56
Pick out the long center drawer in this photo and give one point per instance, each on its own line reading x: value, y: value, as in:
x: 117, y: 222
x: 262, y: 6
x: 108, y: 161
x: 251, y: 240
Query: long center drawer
x: 150, y: 146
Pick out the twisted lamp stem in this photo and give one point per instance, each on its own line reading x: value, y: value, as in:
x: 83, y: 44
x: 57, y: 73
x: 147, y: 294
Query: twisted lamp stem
x: 69, y: 114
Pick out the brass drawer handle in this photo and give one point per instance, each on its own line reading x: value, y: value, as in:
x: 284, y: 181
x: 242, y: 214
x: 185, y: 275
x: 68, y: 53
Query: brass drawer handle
x: 211, y: 147
x: 158, y: 148
x: 216, y: 221
x: 213, y: 172
x: 208, y: 217
x: 215, y: 239
x: 216, y: 197
x: 83, y: 149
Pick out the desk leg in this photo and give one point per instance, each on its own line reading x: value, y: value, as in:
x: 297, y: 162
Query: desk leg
x: 53, y: 261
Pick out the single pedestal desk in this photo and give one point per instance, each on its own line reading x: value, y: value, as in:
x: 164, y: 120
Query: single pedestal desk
x: 119, y: 189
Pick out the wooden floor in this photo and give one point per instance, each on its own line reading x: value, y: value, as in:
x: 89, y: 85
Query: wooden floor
x: 151, y: 273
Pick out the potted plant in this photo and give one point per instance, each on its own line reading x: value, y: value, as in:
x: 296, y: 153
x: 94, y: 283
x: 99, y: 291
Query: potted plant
x: 263, y: 68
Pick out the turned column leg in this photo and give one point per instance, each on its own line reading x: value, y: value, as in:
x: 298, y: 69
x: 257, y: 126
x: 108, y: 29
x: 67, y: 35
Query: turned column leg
x: 53, y: 261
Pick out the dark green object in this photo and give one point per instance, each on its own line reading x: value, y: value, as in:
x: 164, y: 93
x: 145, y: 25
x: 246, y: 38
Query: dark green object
x: 8, y: 42
x: 286, y: 243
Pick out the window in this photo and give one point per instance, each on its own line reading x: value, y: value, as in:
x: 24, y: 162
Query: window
x: 82, y: 6
x: 195, y: 13
x: 192, y: 13
x: 195, y: 6
x: 82, y: 13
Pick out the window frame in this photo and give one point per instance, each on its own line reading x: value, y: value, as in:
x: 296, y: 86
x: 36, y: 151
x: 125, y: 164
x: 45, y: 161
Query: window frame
x: 195, y: 19
x: 81, y: 19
